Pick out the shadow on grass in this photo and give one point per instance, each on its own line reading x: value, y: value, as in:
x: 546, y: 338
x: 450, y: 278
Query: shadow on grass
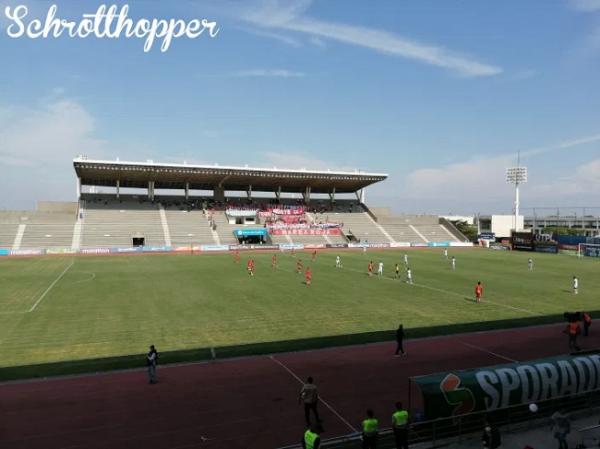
x: 85, y: 366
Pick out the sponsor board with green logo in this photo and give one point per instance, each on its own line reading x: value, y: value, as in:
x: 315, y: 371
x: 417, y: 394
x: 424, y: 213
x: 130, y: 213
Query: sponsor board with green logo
x: 501, y: 386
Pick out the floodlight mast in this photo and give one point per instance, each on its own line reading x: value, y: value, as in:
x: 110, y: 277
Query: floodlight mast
x: 516, y: 176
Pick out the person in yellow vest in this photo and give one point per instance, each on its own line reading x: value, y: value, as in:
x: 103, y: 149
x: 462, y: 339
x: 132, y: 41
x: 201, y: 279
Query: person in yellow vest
x: 311, y: 439
x: 400, y: 426
x: 370, y: 432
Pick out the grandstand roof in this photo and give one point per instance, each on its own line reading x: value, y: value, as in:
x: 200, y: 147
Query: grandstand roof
x: 207, y: 177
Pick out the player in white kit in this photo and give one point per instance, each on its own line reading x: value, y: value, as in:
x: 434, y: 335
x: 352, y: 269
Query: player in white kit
x: 575, y: 284
x: 409, y: 279
x: 453, y: 263
x: 338, y: 262
x: 380, y: 269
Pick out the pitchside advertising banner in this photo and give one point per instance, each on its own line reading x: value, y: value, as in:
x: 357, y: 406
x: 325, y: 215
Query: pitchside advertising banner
x: 252, y: 247
x: 438, y: 244
x: 325, y: 231
x: 501, y: 386
x: 4, y: 252
x: 336, y: 245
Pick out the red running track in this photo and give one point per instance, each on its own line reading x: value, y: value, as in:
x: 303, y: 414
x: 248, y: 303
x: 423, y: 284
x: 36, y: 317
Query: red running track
x: 249, y: 402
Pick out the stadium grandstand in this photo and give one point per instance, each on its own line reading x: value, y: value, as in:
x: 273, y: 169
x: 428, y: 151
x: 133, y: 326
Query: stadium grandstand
x: 168, y: 206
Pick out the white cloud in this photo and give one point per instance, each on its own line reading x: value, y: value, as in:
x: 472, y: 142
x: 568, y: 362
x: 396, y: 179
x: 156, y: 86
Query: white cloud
x: 270, y: 35
x: 585, y: 5
x: 479, y: 184
x: 51, y: 134
x: 584, y: 181
x: 395, y: 45
x: 37, y: 145
x: 269, y: 73
x: 317, y: 42
x: 290, y: 16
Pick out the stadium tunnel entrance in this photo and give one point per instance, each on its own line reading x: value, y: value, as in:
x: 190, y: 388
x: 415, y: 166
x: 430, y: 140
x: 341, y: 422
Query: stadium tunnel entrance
x: 138, y: 240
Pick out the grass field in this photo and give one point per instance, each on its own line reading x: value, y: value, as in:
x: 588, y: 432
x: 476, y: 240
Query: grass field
x: 70, y: 308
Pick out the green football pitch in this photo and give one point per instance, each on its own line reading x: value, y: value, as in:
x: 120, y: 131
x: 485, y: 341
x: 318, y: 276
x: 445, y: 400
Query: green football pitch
x: 71, y: 308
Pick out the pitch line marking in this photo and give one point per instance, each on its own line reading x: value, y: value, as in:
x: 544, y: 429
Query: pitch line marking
x: 91, y: 278
x: 479, y: 348
x: 43, y: 295
x: 285, y: 367
x: 499, y: 304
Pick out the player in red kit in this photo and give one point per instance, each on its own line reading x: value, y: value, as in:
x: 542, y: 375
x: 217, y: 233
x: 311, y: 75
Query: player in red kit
x: 478, y: 292
x: 370, y: 268
x: 299, y: 266
x: 308, y: 276
x: 314, y: 255
x: 250, y: 267
x: 274, y: 261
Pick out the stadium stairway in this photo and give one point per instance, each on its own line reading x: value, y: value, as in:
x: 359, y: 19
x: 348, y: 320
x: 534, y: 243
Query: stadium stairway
x: 361, y: 226
x: 111, y: 222
x: 188, y: 226
x: 8, y: 232
x: 224, y: 229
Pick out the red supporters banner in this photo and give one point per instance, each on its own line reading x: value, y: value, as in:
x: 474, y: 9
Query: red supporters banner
x: 323, y: 231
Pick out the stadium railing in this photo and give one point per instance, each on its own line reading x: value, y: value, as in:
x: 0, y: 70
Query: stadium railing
x: 445, y: 431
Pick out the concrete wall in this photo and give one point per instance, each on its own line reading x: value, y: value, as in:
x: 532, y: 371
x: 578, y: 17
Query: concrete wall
x: 502, y: 225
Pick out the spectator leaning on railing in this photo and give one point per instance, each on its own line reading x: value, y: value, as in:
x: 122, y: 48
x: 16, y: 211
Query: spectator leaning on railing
x: 370, y: 433
x: 400, y: 426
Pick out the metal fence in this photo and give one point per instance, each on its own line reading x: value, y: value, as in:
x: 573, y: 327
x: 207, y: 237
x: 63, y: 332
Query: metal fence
x: 435, y: 433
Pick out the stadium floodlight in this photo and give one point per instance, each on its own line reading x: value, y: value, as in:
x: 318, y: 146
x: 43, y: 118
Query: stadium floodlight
x: 516, y: 176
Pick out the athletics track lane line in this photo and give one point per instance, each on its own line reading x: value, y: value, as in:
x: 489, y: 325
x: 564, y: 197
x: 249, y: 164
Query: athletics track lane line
x: 326, y: 404
x: 43, y: 295
x: 479, y: 348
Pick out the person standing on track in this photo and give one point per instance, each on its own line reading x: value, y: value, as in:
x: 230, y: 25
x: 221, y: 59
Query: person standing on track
x: 311, y: 439
x: 400, y: 340
x: 478, y: 292
x: 370, y: 431
x: 152, y: 361
x: 561, y: 428
x: 310, y: 397
x: 400, y: 426
x: 573, y: 330
x: 587, y: 322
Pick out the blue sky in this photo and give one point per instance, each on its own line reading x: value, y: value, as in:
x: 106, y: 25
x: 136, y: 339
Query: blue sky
x: 440, y: 95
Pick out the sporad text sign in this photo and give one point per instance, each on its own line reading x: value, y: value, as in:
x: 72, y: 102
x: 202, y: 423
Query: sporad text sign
x: 497, y: 387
